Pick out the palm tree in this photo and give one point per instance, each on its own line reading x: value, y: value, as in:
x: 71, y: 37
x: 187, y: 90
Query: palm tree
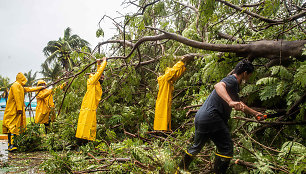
x: 31, y: 81
x: 4, y: 86
x: 61, y: 49
x: 51, y: 71
x: 31, y: 78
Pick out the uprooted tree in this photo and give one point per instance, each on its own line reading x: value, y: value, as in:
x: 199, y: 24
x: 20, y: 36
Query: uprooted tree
x: 218, y: 34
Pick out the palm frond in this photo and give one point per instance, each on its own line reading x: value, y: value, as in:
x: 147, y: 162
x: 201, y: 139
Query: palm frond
x: 52, y: 56
x: 67, y: 33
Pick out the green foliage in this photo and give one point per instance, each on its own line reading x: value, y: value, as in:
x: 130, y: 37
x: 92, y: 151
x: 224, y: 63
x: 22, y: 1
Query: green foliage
x: 295, y: 152
x: 4, y: 81
x: 266, y: 81
x: 100, y: 33
x: 268, y: 92
x: 281, y: 71
x: 300, y: 76
x: 271, y: 7
x: 206, y: 10
x: 190, y: 32
x: 58, y: 164
x: 129, y: 93
x: 278, y: 84
x: 4, y: 86
x: 62, y: 49
x: 51, y: 71
x: 29, y: 139
x: 31, y: 78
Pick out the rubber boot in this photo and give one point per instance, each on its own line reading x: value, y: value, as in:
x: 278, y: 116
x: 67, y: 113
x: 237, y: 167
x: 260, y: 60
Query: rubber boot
x: 221, y: 164
x: 8, y: 139
x: 11, y: 147
x: 47, y: 128
x: 186, y: 160
x: 82, y: 142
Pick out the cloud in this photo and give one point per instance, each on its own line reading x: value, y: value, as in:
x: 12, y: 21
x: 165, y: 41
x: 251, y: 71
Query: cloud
x: 27, y: 26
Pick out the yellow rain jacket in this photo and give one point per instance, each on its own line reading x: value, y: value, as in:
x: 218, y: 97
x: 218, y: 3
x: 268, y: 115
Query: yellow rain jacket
x: 87, y: 123
x: 44, y: 105
x: 12, y: 123
x: 162, y: 120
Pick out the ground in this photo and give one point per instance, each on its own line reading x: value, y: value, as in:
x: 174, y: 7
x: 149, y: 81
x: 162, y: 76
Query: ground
x: 20, y: 162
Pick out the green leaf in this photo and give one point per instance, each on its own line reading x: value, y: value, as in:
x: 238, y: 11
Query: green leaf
x: 266, y: 80
x: 281, y: 71
x: 100, y: 33
x: 206, y: 10
x: 267, y: 92
x: 300, y: 76
x: 281, y: 88
x: 248, y: 89
x: 110, y: 134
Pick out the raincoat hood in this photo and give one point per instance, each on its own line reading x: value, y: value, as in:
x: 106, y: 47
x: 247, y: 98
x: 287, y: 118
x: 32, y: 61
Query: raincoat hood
x: 39, y: 82
x: 21, y: 79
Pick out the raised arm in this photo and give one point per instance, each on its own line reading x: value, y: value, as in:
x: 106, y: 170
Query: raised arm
x: 176, y: 71
x: 99, y: 72
x: 32, y: 89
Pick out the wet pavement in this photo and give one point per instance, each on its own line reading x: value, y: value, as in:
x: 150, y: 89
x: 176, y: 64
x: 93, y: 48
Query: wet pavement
x: 3, y: 156
x: 3, y: 151
x: 20, y: 162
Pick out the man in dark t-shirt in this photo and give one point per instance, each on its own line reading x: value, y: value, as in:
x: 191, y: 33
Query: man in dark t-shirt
x: 211, y: 119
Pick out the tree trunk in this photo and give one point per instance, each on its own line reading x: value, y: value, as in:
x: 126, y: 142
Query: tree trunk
x: 270, y: 49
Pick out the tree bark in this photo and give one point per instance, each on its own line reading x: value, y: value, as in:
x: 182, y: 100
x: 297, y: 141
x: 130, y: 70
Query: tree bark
x: 270, y: 49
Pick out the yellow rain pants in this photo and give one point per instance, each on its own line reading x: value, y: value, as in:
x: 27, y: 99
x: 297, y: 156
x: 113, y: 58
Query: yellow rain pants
x: 44, y: 105
x: 87, y: 123
x: 13, y: 123
x: 162, y: 120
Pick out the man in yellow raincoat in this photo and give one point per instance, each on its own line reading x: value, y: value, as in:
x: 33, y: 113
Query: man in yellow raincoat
x: 44, y: 106
x: 162, y: 120
x: 14, y: 119
x: 87, y: 123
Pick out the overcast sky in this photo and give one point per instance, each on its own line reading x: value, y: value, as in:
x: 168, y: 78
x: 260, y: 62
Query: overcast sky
x: 26, y: 26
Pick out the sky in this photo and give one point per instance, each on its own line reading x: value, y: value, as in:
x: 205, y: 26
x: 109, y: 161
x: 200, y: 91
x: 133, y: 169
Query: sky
x: 26, y: 26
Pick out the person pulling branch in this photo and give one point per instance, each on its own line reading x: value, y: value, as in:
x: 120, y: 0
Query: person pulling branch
x: 162, y: 120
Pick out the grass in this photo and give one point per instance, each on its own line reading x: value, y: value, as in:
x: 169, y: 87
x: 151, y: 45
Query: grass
x: 28, y: 121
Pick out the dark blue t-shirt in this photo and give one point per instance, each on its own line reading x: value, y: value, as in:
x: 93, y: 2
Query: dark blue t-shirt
x: 215, y: 109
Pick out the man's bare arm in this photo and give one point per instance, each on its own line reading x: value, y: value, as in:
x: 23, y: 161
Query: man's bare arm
x: 251, y: 111
x: 239, y: 106
x: 221, y: 91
